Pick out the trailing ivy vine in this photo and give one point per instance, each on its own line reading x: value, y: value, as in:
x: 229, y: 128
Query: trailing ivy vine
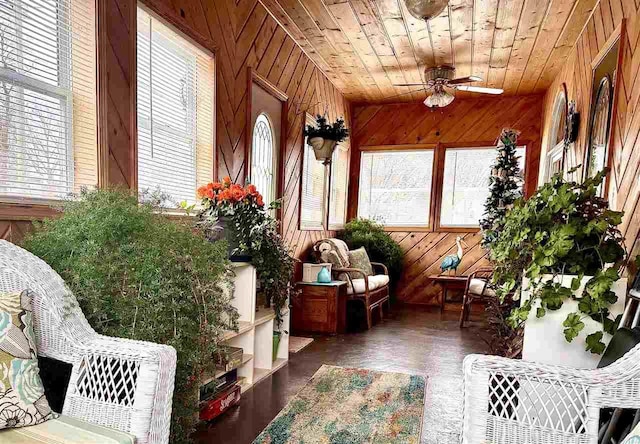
x: 564, y: 229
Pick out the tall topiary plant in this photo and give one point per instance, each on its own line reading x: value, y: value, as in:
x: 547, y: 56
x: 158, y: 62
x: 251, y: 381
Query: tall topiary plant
x: 139, y: 275
x: 505, y: 186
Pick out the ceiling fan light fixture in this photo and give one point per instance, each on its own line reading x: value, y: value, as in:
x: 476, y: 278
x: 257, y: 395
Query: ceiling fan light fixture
x: 426, y: 9
x: 439, y: 99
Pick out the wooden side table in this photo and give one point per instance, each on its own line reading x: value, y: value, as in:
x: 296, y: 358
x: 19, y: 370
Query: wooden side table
x: 448, y: 282
x: 320, y: 308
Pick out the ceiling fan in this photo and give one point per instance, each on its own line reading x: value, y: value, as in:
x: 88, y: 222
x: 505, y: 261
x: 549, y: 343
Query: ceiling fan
x: 440, y: 78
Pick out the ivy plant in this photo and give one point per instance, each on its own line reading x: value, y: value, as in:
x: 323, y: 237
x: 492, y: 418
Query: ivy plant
x: 565, y: 228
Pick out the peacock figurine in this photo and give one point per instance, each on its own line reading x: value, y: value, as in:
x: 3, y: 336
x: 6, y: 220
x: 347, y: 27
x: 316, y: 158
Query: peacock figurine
x: 452, y: 261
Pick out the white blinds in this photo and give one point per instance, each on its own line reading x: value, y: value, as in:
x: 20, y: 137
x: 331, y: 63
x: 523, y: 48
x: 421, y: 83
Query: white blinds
x: 338, y: 193
x: 314, y: 189
x: 48, y: 142
x: 175, y: 111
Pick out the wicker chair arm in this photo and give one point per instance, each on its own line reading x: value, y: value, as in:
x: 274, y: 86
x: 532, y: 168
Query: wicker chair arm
x: 381, y: 265
x: 353, y: 270
x: 135, y: 377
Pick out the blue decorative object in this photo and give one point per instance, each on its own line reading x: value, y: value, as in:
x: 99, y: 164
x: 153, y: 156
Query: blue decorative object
x: 324, y: 277
x: 452, y: 261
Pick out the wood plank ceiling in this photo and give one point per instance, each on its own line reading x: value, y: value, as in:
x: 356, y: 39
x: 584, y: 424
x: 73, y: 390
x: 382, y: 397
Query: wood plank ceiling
x: 367, y: 46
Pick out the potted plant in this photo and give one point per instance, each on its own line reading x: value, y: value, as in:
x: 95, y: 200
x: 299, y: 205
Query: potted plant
x: 240, y: 213
x: 325, y: 137
x: 561, y: 252
x: 231, y: 211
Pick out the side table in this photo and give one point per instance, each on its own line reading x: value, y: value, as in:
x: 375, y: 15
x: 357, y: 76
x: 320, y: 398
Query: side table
x: 447, y: 282
x: 319, y: 308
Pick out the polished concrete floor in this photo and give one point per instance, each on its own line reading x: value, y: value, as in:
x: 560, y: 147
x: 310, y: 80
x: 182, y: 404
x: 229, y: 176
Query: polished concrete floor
x: 411, y: 340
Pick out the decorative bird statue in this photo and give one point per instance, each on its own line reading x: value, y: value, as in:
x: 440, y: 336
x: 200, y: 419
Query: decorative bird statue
x: 452, y: 261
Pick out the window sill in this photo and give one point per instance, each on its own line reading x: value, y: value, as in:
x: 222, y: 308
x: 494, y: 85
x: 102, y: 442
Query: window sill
x: 28, y: 209
x: 458, y: 229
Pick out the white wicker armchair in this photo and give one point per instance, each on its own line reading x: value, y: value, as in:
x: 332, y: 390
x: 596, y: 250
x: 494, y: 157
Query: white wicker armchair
x: 512, y: 401
x: 118, y: 383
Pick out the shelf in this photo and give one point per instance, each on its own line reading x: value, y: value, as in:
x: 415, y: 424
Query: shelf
x: 278, y: 364
x: 243, y: 327
x: 264, y: 315
x: 259, y: 374
x: 245, y: 358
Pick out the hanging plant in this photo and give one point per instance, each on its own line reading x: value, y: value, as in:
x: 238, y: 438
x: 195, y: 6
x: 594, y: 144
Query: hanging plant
x: 324, y: 137
x: 564, y: 229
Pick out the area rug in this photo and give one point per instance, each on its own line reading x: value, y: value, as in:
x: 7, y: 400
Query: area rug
x: 297, y: 343
x: 351, y: 406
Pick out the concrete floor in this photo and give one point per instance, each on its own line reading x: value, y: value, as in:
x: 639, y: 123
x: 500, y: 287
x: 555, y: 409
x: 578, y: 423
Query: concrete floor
x: 411, y: 340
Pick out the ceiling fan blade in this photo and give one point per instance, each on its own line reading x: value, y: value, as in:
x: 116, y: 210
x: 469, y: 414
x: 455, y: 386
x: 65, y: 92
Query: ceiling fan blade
x: 480, y: 89
x: 411, y: 84
x: 467, y: 79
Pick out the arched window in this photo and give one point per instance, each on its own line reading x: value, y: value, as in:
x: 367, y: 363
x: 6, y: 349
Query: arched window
x: 599, y: 129
x: 263, y: 159
x: 555, y: 152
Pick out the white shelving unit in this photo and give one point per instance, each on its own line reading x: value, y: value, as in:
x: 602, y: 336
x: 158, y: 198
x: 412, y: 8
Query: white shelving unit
x: 255, y: 334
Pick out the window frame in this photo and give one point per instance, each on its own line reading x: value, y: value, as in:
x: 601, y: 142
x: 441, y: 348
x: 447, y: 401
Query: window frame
x: 330, y: 197
x: 557, y: 150
x: 310, y: 120
x: 275, y: 156
x: 437, y: 181
x: 434, y: 179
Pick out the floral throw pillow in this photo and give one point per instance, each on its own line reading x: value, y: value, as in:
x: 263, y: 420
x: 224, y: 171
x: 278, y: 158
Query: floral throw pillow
x: 360, y: 259
x: 22, y: 399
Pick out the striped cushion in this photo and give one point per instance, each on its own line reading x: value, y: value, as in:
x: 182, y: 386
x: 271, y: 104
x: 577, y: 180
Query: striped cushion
x: 65, y: 430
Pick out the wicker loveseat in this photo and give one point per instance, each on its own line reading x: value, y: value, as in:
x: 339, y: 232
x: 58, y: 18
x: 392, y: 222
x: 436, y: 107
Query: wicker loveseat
x: 116, y: 383
x: 371, y: 290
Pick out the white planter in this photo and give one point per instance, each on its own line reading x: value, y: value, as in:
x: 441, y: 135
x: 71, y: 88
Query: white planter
x: 544, y: 338
x: 323, y: 148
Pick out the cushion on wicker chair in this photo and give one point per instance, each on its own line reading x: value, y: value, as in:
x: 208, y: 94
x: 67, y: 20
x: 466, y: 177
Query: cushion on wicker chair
x: 22, y: 399
x: 633, y: 437
x: 360, y: 259
x: 65, y: 430
x: 481, y: 288
x: 332, y: 250
x: 375, y: 282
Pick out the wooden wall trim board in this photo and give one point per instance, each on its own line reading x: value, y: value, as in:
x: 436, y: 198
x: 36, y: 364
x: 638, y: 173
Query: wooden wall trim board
x: 466, y: 123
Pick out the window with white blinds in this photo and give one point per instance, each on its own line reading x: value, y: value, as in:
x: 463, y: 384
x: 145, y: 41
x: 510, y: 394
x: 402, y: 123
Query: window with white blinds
x: 314, y: 189
x: 48, y: 139
x: 338, y: 189
x: 175, y: 111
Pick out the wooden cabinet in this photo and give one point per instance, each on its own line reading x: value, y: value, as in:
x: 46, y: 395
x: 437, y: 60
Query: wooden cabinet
x: 319, y: 308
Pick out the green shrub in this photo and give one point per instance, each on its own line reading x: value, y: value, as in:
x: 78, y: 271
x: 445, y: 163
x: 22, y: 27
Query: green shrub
x: 139, y: 275
x: 378, y: 243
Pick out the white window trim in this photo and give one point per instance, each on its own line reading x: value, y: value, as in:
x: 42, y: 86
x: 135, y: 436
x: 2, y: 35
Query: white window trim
x: 557, y: 150
x: 340, y: 225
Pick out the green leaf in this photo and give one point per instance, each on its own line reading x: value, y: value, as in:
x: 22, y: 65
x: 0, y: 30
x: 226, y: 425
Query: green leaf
x: 573, y: 326
x: 540, y: 312
x: 595, y: 344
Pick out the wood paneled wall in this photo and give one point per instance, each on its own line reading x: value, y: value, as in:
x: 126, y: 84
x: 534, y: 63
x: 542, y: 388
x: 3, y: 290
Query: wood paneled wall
x: 241, y: 34
x: 478, y: 121
x: 624, y: 185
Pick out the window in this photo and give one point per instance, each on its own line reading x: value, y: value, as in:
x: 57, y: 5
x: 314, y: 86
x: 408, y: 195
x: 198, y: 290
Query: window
x: 555, y: 153
x: 339, y: 184
x: 48, y: 138
x: 465, y: 185
x: 313, y: 188
x: 395, y: 187
x: 263, y: 160
x: 175, y: 111
x: 599, y: 129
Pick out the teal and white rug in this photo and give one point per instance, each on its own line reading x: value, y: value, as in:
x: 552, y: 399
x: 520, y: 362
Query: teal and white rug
x: 351, y: 406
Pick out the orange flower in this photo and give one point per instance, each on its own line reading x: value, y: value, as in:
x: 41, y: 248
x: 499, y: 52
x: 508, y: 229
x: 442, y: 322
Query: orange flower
x: 224, y: 195
x: 252, y: 190
x: 216, y: 186
x: 210, y: 194
x: 226, y: 181
x: 237, y: 192
x: 259, y: 200
x: 202, y: 191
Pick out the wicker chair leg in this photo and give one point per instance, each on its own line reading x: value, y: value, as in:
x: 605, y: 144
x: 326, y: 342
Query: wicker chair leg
x: 381, y: 311
x: 463, y: 310
x: 369, y: 320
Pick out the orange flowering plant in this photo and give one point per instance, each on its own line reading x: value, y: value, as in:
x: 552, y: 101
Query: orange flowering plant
x: 239, y: 214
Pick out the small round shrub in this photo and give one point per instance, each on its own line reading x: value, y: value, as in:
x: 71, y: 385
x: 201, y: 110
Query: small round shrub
x: 139, y: 275
x: 378, y: 243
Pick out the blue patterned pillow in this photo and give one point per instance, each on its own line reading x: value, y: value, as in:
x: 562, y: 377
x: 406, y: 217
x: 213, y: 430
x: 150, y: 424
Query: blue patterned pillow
x: 633, y: 437
x: 22, y: 399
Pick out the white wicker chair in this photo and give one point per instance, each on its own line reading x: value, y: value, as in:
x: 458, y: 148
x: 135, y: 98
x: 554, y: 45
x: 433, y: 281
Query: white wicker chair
x: 512, y: 401
x: 118, y: 383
